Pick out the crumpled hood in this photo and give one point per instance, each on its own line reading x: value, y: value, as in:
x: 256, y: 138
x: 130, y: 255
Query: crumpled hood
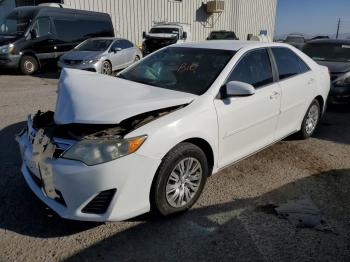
x: 90, y: 98
x: 164, y: 35
x: 82, y: 55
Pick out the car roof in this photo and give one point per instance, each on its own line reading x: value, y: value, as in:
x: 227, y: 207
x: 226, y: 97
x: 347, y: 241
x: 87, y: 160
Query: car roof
x: 107, y: 38
x: 330, y: 41
x: 233, y: 45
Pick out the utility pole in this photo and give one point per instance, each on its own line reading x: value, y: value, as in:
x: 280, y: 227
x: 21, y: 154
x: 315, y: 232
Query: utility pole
x: 338, y: 28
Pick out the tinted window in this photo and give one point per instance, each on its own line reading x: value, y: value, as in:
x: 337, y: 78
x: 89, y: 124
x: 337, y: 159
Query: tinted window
x: 180, y: 69
x: 16, y: 22
x: 125, y: 44
x: 254, y: 68
x: 339, y: 52
x: 70, y: 30
x: 288, y: 63
x: 42, y: 26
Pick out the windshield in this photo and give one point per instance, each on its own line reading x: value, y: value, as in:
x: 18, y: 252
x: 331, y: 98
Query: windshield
x: 94, y: 45
x: 16, y: 22
x: 164, y: 30
x: 190, y: 70
x: 222, y: 35
x: 328, y: 52
x: 295, y: 39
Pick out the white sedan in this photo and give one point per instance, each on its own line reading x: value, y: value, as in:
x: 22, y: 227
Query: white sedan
x: 118, y: 147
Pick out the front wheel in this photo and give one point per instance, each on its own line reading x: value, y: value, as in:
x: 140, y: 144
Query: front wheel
x: 28, y: 65
x: 180, y: 179
x: 106, y: 68
x: 311, y: 120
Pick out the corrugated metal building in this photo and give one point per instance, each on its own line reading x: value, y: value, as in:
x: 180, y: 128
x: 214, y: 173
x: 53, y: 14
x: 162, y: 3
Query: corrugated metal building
x: 132, y: 17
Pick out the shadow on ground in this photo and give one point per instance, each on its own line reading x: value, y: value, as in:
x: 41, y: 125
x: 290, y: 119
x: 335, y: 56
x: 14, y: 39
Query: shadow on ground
x: 335, y: 125
x: 48, y: 72
x: 242, y: 229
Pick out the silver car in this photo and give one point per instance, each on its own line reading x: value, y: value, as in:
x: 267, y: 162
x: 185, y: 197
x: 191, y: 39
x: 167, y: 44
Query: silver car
x: 103, y: 55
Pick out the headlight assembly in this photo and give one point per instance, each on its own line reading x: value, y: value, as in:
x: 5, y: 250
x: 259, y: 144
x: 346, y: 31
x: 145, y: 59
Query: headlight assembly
x: 91, y: 61
x: 97, y: 151
x: 7, y: 49
x: 343, y: 80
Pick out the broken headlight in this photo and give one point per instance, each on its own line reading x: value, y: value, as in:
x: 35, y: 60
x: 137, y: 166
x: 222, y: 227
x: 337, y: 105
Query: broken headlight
x: 97, y: 151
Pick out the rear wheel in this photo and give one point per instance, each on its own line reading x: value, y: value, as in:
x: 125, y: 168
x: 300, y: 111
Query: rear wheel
x: 106, y: 68
x: 310, y: 120
x: 28, y: 65
x: 180, y: 179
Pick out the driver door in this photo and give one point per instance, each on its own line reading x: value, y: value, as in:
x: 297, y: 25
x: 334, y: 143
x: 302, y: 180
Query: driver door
x: 43, y: 40
x: 247, y: 124
x: 118, y: 58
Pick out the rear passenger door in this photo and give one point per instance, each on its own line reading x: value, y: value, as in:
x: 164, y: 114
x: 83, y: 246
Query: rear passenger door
x: 129, y: 50
x: 297, y: 84
x: 247, y: 124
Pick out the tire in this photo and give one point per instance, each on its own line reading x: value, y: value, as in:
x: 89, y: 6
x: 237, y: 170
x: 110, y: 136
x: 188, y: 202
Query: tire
x: 310, y: 121
x: 28, y: 65
x: 106, y: 68
x: 188, y: 186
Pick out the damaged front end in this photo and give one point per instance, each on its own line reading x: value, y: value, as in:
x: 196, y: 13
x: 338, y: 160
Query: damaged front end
x: 89, y: 143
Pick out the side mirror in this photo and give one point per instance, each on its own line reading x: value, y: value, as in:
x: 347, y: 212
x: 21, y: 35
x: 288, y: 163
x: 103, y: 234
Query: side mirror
x: 184, y: 35
x: 33, y: 33
x: 115, y: 50
x: 144, y: 34
x: 236, y: 88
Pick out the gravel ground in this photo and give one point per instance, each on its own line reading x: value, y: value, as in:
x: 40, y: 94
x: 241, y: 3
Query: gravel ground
x: 233, y: 220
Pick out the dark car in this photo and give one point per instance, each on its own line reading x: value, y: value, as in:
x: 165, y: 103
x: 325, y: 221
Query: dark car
x: 222, y: 35
x: 335, y: 54
x: 295, y: 40
x: 33, y: 36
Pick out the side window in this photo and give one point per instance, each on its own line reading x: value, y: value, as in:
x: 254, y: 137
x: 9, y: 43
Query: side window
x: 254, y: 68
x: 126, y: 44
x: 116, y: 44
x: 42, y: 26
x: 67, y: 30
x: 288, y: 63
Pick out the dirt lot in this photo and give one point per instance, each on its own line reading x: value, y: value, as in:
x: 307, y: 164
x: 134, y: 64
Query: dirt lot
x: 234, y: 219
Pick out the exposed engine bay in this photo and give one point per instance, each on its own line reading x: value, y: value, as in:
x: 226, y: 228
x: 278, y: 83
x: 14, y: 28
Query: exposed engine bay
x: 45, y: 120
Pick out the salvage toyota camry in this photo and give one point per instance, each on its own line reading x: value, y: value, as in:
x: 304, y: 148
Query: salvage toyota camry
x: 148, y: 139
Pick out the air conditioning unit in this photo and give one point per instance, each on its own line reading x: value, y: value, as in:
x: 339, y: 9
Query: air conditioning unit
x: 215, y: 6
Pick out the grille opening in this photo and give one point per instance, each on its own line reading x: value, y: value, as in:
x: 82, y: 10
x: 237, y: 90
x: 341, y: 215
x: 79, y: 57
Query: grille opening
x: 100, y: 203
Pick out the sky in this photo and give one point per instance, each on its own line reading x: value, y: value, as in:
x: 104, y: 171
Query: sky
x: 312, y: 16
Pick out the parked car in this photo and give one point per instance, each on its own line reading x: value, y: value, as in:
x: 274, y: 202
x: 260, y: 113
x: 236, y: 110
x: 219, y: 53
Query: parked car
x: 164, y: 34
x: 295, y: 40
x: 116, y: 147
x: 33, y: 36
x: 102, y: 55
x: 222, y: 35
x: 335, y: 54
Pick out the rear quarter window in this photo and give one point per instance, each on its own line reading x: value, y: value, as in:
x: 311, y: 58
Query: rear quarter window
x: 288, y: 63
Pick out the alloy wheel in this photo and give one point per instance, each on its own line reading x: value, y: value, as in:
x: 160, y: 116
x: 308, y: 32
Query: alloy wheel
x: 312, y: 119
x: 106, y: 68
x: 183, y: 182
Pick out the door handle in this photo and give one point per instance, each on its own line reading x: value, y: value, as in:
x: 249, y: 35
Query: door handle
x: 274, y: 95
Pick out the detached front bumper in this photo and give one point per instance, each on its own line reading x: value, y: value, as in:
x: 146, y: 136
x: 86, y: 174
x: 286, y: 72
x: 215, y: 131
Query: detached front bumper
x: 80, y: 191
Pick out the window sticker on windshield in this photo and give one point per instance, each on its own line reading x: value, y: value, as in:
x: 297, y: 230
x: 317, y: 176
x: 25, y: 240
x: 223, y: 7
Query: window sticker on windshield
x: 187, y: 67
x: 345, y: 46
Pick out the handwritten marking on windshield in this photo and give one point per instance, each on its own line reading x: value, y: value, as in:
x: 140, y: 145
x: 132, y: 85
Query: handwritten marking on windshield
x: 187, y: 67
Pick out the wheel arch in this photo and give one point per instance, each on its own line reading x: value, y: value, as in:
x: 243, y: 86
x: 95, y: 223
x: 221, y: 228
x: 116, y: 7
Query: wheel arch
x: 32, y: 54
x: 320, y: 100
x: 203, y: 145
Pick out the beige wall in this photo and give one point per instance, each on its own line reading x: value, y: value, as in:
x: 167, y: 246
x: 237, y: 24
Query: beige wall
x: 132, y: 17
